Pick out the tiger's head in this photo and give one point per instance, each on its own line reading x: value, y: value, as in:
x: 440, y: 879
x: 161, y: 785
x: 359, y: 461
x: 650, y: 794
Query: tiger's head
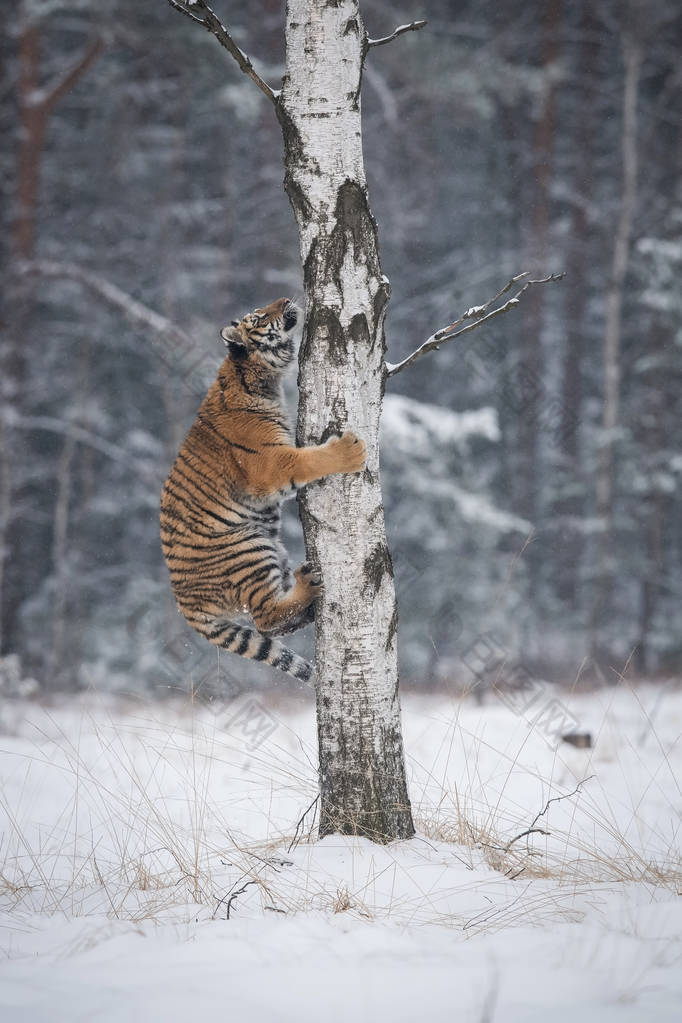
x: 264, y: 337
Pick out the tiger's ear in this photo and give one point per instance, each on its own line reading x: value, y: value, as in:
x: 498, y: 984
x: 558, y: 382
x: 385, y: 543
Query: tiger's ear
x: 233, y: 340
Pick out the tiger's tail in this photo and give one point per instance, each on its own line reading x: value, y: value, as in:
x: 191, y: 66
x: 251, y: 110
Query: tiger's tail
x: 247, y: 642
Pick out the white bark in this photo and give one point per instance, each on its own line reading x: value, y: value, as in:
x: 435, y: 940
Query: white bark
x: 362, y: 776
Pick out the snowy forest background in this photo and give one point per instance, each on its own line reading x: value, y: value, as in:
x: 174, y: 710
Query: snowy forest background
x: 139, y: 165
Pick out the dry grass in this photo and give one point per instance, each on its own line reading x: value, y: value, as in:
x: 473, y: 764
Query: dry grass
x: 143, y: 835
x: 519, y: 846
x: 138, y: 830
x: 568, y: 860
x: 343, y: 902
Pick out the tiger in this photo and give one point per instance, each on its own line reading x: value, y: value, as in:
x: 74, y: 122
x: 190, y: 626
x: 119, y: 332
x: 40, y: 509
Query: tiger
x: 221, y: 502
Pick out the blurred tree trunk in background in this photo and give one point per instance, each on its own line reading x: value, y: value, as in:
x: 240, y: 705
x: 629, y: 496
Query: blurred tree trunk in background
x: 532, y: 358
x: 607, y: 441
x: 652, y: 576
x: 35, y: 103
x: 571, y: 502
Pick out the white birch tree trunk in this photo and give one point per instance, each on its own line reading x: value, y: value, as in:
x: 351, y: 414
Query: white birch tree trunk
x: 341, y: 381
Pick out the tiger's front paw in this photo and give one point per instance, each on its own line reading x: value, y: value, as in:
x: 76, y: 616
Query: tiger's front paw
x: 350, y: 453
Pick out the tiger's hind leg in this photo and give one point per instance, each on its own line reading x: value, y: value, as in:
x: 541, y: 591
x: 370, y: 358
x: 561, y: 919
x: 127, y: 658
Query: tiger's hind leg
x: 293, y: 622
x: 306, y: 617
x: 276, y: 611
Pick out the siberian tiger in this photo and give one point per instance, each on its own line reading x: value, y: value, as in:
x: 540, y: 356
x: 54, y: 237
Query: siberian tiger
x: 220, y: 506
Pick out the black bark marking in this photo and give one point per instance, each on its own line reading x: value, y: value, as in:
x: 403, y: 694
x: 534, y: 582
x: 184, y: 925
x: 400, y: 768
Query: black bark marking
x: 295, y: 156
x: 377, y: 564
x: 298, y: 199
x: 354, y: 226
x: 312, y: 266
x: 392, y: 630
x: 379, y: 510
x: 359, y: 330
x: 337, y: 421
x: 323, y: 323
x: 381, y: 301
x: 293, y: 144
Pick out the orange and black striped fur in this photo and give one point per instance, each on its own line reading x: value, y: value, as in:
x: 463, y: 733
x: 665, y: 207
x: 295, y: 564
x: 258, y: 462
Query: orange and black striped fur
x: 220, y: 506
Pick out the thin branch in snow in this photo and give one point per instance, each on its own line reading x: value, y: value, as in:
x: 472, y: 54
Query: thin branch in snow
x: 528, y: 831
x: 478, y: 313
x: 213, y: 24
x: 298, y: 833
x: 414, y: 26
x: 557, y: 799
x: 232, y: 896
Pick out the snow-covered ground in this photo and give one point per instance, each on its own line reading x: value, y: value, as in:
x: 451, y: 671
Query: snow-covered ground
x: 151, y: 867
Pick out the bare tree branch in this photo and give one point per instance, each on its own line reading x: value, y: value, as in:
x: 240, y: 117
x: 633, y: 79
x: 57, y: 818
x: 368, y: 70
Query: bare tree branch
x: 478, y: 313
x: 213, y: 24
x: 138, y: 315
x: 414, y: 26
x: 51, y: 95
x: 115, y: 452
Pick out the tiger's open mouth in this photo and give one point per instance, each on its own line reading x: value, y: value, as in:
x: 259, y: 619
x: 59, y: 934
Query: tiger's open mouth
x: 290, y: 317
